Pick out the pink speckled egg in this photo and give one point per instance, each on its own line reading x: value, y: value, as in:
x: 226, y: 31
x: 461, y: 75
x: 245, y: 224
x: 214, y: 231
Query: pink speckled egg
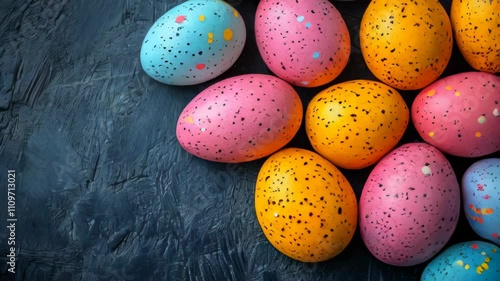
x: 304, y: 42
x: 240, y: 119
x: 460, y: 114
x: 409, y: 206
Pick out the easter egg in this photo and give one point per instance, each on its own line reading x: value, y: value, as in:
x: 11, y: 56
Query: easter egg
x: 305, y: 206
x: 481, y: 198
x: 355, y: 123
x: 193, y: 42
x: 476, y: 27
x: 304, y: 42
x: 460, y: 114
x: 406, y: 44
x: 240, y: 119
x: 466, y: 261
x: 410, y: 205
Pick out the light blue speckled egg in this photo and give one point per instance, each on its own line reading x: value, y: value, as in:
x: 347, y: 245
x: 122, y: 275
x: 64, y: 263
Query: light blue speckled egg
x: 193, y: 42
x: 467, y: 261
x: 481, y: 198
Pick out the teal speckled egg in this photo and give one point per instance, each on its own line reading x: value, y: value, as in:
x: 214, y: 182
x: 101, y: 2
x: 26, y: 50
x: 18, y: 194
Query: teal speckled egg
x: 467, y: 261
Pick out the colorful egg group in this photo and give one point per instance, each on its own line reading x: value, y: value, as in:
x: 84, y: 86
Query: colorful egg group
x: 466, y: 261
x: 240, y: 119
x: 193, y: 42
x: 409, y: 206
x: 481, y: 198
x: 355, y: 123
x: 305, y: 206
x: 304, y: 42
x: 406, y: 44
x: 460, y: 114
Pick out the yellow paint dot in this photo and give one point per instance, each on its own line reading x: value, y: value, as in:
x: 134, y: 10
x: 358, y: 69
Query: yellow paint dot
x: 189, y: 119
x: 481, y: 119
x: 235, y: 13
x: 457, y: 93
x: 228, y: 34
x: 431, y: 134
x: 479, y: 270
x: 210, y: 38
x: 485, y: 265
x: 460, y: 263
x: 487, y: 259
x: 493, y: 250
x: 431, y: 93
x: 478, y: 134
x: 448, y: 88
x: 201, y: 18
x: 467, y: 266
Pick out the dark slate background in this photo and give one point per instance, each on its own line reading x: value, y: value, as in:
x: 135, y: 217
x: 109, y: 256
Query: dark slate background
x: 104, y: 190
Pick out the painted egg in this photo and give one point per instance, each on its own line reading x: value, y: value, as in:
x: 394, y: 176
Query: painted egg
x: 240, y: 119
x: 481, y: 198
x: 460, y: 114
x: 305, y: 206
x: 193, y: 42
x: 406, y: 44
x: 304, y: 42
x: 476, y: 27
x: 355, y: 123
x: 466, y: 261
x: 410, y: 205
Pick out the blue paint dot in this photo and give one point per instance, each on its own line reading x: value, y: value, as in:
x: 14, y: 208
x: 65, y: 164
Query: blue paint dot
x: 308, y: 25
x: 316, y: 55
x: 300, y: 18
x: 304, y: 82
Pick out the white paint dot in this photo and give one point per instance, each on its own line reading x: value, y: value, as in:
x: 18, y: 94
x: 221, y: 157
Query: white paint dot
x: 304, y: 82
x: 203, y: 129
x: 481, y: 119
x: 496, y: 113
x: 426, y: 170
x: 276, y: 215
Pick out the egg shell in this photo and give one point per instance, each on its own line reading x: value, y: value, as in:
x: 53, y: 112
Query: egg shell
x: 406, y: 44
x: 193, y: 42
x: 460, y: 114
x: 240, y: 119
x: 355, y: 123
x: 305, y: 206
x: 410, y: 205
x: 466, y: 261
x: 481, y: 198
x: 476, y: 27
x: 304, y: 42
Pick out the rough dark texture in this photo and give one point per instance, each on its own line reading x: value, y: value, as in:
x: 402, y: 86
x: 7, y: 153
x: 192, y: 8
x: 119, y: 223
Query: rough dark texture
x: 104, y: 190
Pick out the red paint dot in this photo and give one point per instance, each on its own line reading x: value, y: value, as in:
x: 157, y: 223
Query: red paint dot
x: 180, y: 19
x: 495, y: 235
x: 474, y: 246
x: 200, y: 66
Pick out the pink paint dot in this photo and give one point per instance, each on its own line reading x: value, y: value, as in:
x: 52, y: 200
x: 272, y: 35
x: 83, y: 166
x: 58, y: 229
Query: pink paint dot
x: 200, y: 66
x: 480, y: 187
x: 486, y: 197
x: 180, y: 19
x: 474, y: 246
x: 495, y: 235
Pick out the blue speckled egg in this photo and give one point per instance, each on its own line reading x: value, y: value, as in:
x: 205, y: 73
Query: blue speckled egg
x: 193, y: 42
x: 481, y: 198
x: 467, y: 261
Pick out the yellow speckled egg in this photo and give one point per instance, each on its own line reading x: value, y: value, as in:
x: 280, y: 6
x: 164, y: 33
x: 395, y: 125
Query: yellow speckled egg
x: 355, y: 123
x: 305, y: 206
x: 406, y: 43
x: 476, y: 26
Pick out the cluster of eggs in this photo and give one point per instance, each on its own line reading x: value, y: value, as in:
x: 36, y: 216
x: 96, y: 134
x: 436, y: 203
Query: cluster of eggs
x: 410, y: 204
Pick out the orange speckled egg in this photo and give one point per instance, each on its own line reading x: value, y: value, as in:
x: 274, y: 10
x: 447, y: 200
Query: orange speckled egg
x: 406, y: 43
x: 476, y: 26
x: 355, y: 123
x: 305, y: 206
